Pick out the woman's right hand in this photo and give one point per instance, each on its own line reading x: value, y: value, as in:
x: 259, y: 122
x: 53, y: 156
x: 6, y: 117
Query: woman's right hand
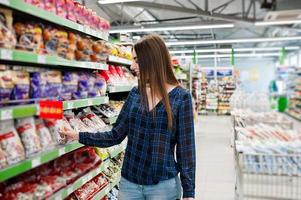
x: 69, y: 133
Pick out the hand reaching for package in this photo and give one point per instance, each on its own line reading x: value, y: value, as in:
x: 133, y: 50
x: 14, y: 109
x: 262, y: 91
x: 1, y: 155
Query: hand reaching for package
x: 69, y: 133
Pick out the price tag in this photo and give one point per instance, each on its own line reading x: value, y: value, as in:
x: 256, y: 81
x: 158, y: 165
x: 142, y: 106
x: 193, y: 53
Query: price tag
x: 61, y: 151
x: 80, y: 28
x: 90, y: 102
x: 41, y: 59
x: 6, y: 114
x: 6, y: 54
x: 85, y: 179
x: 69, y: 190
x: 35, y: 162
x: 5, y: 2
x: 70, y: 105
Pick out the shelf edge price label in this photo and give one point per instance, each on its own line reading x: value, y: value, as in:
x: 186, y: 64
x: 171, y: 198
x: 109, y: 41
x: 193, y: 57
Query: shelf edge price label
x: 51, y: 109
x: 69, y: 190
x: 41, y: 59
x: 4, y: 2
x: 90, y: 102
x: 62, y: 151
x: 6, y: 54
x: 6, y: 114
x: 70, y: 105
x: 35, y: 162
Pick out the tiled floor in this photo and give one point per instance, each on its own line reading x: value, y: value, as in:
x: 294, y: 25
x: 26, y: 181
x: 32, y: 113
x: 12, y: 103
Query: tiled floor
x: 215, y: 176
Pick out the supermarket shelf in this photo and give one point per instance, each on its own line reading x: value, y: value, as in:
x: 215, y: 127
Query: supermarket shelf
x: 14, y: 112
x: 40, y: 159
x: 107, y: 189
x: 20, y: 111
x: 51, y: 17
x: 181, y: 76
x: 67, y: 105
x: 118, y: 60
x: 65, y: 192
x: 292, y: 116
x: 117, y: 151
x: 30, y: 57
x: 120, y: 88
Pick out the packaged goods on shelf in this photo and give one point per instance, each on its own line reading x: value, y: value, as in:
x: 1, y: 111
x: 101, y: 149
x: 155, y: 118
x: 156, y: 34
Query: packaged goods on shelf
x: 249, y: 117
x: 43, y: 133
x: 73, y: 11
x: 27, y: 131
x: 11, y: 143
x: 113, y: 195
x: 118, y: 76
x: 7, y: 36
x: 44, y: 181
x: 24, y: 85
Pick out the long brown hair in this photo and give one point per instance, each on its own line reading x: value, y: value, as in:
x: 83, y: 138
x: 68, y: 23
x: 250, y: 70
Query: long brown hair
x: 155, y: 71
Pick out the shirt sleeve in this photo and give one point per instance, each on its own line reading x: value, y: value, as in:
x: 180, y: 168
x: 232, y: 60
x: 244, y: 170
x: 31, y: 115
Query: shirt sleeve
x: 113, y: 137
x: 186, y: 146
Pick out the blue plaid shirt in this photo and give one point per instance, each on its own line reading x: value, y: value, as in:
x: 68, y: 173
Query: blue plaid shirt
x: 150, y: 153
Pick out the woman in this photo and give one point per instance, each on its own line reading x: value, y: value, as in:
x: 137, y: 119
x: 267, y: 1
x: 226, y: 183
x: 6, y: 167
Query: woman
x: 157, y: 118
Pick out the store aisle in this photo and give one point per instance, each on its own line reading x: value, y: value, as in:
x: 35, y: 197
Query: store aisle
x: 215, y: 176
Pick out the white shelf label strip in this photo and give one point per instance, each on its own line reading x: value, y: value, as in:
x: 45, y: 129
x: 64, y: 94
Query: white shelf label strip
x: 6, y: 114
x: 6, y: 54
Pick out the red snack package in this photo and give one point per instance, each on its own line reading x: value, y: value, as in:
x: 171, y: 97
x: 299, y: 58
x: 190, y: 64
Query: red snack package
x: 29, y: 137
x: 70, y: 7
x: 11, y: 143
x: 61, y: 9
x: 49, y: 5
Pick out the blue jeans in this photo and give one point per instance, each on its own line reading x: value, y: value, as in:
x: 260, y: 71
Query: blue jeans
x: 165, y: 190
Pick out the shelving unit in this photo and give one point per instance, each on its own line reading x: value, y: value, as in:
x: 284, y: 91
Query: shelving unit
x: 120, y: 88
x: 20, y: 111
x: 85, y: 102
x: 26, y: 8
x: 13, y: 111
x: 37, y: 160
x: 106, y: 190
x: 294, y: 107
x: 118, y: 60
x: 33, y: 58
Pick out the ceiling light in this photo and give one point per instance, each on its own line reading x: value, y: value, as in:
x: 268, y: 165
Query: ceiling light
x: 231, y: 41
x: 115, y: 1
x: 235, y: 49
x: 236, y: 55
x: 283, y: 22
x: 172, y: 28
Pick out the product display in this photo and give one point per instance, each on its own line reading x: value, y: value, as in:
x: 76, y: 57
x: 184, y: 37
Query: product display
x: 294, y: 105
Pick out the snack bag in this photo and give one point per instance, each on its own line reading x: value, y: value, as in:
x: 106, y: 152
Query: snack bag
x: 49, y: 5
x: 7, y: 34
x: 3, y: 162
x: 54, y: 83
x: 27, y: 131
x: 29, y: 37
x: 21, y: 85
x: 100, y: 86
x: 37, y: 3
x: 38, y: 82
x: 70, y: 85
x: 70, y: 8
x: 44, y: 134
x: 10, y: 142
x: 54, y: 128
x: 56, y: 41
x: 6, y: 85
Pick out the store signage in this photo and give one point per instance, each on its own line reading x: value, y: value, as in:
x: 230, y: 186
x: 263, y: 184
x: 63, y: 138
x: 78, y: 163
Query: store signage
x: 224, y: 72
x: 50, y: 109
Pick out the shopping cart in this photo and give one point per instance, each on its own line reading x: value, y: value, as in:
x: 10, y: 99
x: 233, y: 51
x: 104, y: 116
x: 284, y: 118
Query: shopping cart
x: 261, y: 176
